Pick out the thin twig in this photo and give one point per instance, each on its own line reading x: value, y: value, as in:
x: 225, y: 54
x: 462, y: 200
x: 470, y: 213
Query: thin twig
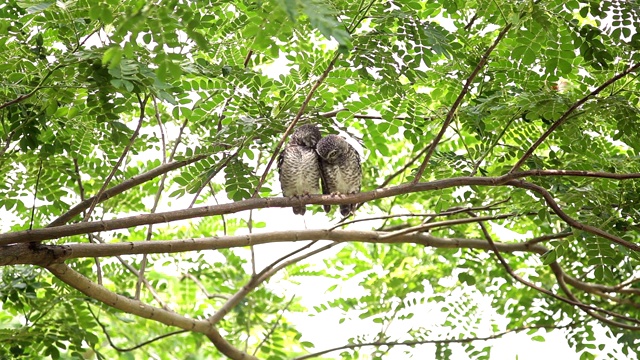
x: 289, y: 129
x: 186, y: 275
x: 273, y: 327
x: 122, y: 187
x: 544, y: 238
x: 224, y: 221
x: 259, y: 278
x: 451, y: 211
x: 156, y: 200
x: 444, y: 341
x: 35, y: 89
x: 76, y: 168
x: 445, y: 223
x: 458, y: 101
x: 142, y: 344
x: 163, y: 140
x: 97, y: 239
x: 222, y: 165
x: 35, y: 195
x: 143, y: 104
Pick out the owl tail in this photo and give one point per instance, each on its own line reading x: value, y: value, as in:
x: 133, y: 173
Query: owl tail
x: 326, y: 208
x: 345, y: 210
x: 299, y: 210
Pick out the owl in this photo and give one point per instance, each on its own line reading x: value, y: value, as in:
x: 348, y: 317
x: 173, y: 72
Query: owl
x: 306, y: 135
x: 340, y: 168
x: 299, y: 166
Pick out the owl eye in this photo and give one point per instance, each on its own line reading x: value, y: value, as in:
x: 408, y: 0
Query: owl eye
x: 332, y: 155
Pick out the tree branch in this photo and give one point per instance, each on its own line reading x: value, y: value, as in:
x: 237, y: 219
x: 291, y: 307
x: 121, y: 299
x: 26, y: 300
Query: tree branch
x: 289, y: 129
x: 122, y: 187
x: 444, y: 341
x: 156, y: 200
x: 35, y: 90
x: 572, y: 300
x: 445, y: 223
x: 143, y: 104
x: 566, y: 114
x: 45, y: 255
x: 452, y: 211
x: 458, y: 101
x: 273, y: 327
x: 138, y: 346
x: 569, y: 220
x: 126, y: 222
x: 135, y: 307
x: 258, y: 279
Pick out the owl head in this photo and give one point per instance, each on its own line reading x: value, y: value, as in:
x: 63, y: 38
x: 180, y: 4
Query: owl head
x: 306, y: 135
x: 332, y: 148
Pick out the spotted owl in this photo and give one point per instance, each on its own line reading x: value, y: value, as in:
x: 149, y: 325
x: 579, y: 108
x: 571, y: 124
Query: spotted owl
x: 340, y: 168
x: 299, y: 166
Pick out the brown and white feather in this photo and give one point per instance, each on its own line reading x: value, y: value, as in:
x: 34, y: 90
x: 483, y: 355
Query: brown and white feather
x: 341, y: 170
x: 299, y: 166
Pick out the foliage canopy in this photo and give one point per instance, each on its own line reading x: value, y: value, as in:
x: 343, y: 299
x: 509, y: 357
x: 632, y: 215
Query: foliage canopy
x: 472, y: 117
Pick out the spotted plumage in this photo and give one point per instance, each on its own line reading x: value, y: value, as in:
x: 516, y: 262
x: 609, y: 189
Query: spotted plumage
x: 299, y: 166
x: 340, y: 168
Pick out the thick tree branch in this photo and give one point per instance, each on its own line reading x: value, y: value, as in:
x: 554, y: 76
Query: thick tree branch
x: 131, y: 306
x: 566, y: 114
x: 45, y: 255
x: 126, y: 222
x: 135, y: 307
x: 458, y: 101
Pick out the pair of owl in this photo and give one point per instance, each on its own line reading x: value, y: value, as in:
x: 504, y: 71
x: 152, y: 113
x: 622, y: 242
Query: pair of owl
x: 310, y: 158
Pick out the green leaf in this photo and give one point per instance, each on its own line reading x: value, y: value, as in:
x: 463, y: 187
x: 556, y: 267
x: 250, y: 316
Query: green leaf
x: 112, y: 57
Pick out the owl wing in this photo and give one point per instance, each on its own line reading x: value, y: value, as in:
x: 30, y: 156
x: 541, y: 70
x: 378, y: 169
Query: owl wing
x: 355, y: 159
x: 352, y: 167
x: 280, y: 159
